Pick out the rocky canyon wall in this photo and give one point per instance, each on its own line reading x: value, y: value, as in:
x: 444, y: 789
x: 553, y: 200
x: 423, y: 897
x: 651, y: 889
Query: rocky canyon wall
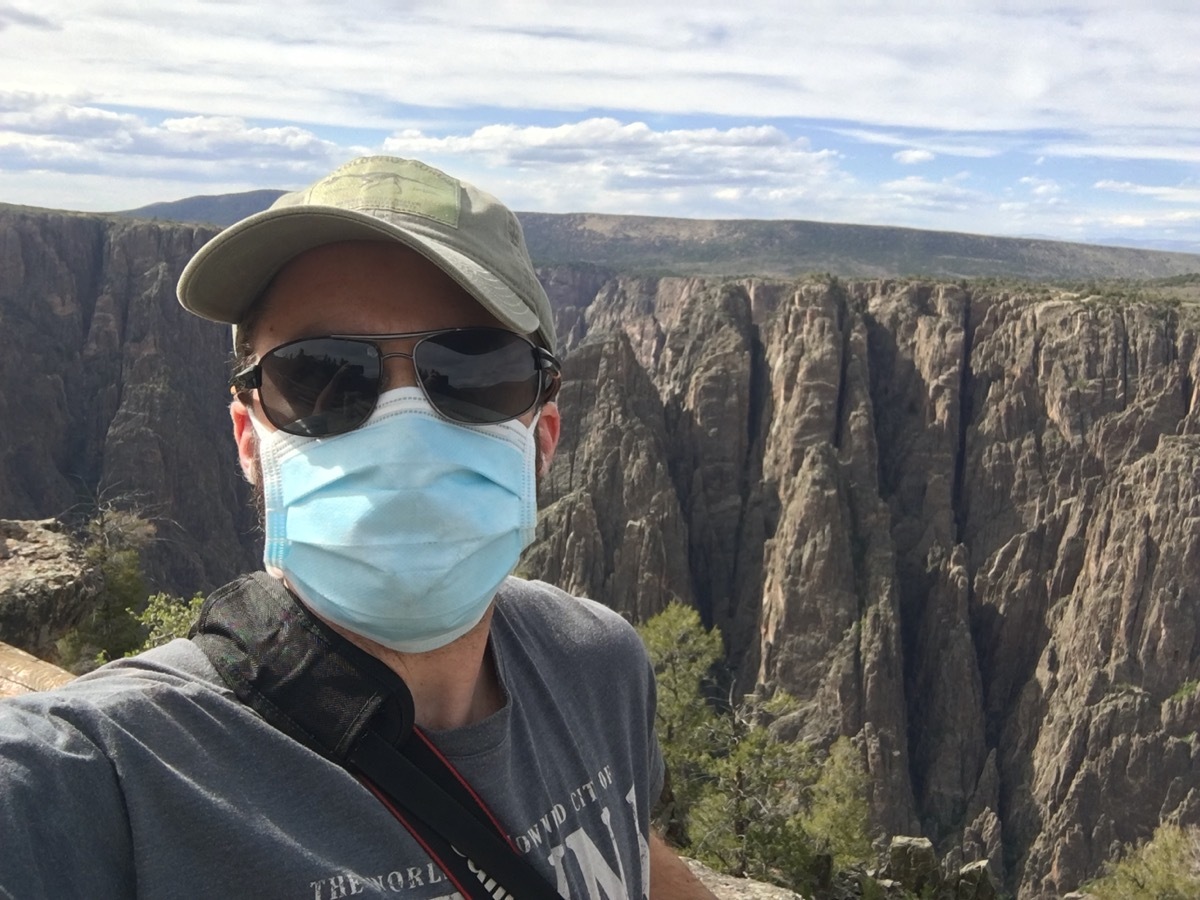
x: 111, y: 393
x: 958, y: 524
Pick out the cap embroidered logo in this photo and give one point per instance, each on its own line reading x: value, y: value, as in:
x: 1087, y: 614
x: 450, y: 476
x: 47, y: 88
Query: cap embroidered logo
x: 402, y: 186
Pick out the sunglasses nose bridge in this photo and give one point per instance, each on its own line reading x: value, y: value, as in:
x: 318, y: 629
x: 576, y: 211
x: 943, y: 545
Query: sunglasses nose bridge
x: 398, y: 374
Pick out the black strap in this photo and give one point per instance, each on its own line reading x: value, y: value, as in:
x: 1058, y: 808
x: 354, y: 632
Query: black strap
x: 346, y: 705
x: 417, y: 793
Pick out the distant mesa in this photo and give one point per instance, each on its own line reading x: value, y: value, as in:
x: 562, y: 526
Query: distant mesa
x: 213, y: 209
x: 654, y: 245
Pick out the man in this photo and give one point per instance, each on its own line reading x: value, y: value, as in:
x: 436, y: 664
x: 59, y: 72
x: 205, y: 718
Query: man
x: 393, y: 406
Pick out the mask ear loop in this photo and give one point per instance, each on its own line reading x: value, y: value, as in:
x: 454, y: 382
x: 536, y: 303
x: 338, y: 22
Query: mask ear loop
x: 539, y: 468
x: 261, y: 429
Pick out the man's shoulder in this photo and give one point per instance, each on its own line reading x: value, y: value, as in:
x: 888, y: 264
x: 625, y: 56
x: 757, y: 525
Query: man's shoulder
x: 537, y: 599
x: 540, y: 613
x: 174, y: 674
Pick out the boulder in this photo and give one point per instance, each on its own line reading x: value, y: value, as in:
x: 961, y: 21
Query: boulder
x: 46, y: 584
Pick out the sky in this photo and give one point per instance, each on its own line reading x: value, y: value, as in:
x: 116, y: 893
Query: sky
x: 1068, y: 120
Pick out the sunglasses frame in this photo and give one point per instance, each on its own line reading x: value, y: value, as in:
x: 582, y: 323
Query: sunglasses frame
x: 546, y: 365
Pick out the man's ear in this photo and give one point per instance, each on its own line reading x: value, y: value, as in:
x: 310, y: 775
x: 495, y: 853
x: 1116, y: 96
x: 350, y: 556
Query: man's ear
x: 245, y: 437
x: 549, y: 426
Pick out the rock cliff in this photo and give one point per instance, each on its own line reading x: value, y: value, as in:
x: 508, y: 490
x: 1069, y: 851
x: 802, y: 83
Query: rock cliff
x: 958, y: 523
x: 108, y: 390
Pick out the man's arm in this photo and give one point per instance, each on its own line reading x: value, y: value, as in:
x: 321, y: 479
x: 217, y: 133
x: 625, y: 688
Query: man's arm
x: 63, y: 827
x: 670, y: 878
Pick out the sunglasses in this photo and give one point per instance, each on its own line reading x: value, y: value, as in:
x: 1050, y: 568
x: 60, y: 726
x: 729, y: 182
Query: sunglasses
x: 322, y: 386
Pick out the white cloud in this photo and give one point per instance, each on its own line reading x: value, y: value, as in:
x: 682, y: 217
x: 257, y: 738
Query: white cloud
x: 981, y: 66
x: 209, y: 153
x: 11, y: 16
x: 1042, y: 188
x: 614, y: 107
x: 1159, y: 192
x: 30, y: 114
x: 913, y: 157
x: 941, y: 145
x: 1175, y: 223
x: 52, y: 127
x: 945, y: 194
x: 604, y: 165
x: 1172, y: 148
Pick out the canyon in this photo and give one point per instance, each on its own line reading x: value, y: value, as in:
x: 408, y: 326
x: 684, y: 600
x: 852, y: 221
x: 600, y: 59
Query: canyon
x: 958, y: 520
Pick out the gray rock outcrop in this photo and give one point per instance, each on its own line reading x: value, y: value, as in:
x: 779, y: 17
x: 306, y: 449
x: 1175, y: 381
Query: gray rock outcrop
x: 729, y: 888
x: 46, y: 585
x: 109, y: 389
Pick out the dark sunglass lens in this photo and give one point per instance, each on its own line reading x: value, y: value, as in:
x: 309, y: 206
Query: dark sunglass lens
x: 478, y: 375
x: 320, y: 387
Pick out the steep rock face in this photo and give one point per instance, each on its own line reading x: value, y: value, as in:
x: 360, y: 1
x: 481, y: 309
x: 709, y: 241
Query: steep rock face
x: 945, y: 500
x: 918, y: 350
x: 110, y: 391
x: 611, y: 525
x: 829, y: 540
x: 1113, y: 738
x: 1071, y: 457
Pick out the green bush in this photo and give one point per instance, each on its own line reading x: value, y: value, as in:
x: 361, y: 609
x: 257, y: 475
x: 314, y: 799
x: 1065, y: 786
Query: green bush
x: 750, y: 822
x: 741, y: 801
x: 166, y: 618
x: 838, y: 813
x: 684, y: 654
x: 123, y: 620
x: 113, y: 541
x: 1167, y: 867
x: 1185, y: 690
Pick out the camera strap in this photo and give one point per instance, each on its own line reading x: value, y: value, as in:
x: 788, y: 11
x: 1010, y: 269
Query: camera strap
x: 341, y: 702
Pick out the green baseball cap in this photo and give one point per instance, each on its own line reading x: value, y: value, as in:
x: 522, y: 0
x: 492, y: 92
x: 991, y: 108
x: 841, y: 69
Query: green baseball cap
x: 466, y: 232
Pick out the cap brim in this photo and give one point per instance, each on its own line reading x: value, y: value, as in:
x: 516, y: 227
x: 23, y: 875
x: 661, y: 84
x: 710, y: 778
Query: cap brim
x: 229, y: 273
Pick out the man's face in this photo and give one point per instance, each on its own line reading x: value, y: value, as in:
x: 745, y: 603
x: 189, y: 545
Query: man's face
x: 363, y: 287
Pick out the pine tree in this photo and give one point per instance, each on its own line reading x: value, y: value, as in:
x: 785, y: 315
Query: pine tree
x: 744, y: 802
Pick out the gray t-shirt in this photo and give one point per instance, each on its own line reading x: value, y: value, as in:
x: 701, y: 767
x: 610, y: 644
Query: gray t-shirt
x: 149, y: 778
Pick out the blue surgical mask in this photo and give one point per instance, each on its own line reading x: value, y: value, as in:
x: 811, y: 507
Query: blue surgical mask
x: 402, y: 529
